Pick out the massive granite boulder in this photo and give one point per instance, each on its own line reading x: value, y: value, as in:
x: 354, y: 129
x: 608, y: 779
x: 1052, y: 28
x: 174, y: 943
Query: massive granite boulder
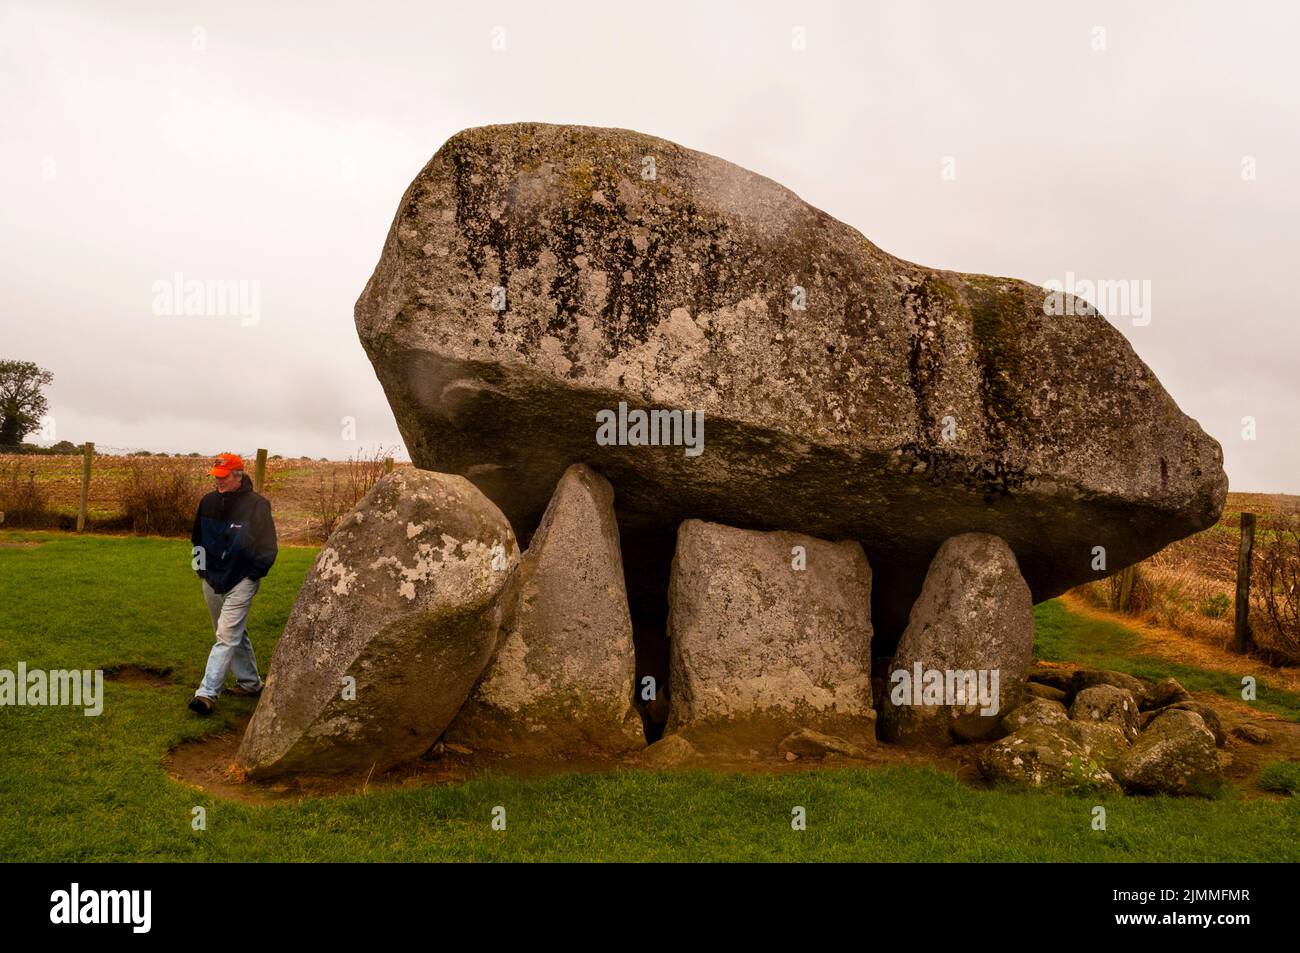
x: 536, y: 275
x: 396, y: 621
x: 561, y: 681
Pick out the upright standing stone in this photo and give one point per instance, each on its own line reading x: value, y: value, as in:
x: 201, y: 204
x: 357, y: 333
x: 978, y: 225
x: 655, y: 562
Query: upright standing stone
x: 770, y: 632
x: 395, y: 622
x: 561, y: 682
x: 974, y: 615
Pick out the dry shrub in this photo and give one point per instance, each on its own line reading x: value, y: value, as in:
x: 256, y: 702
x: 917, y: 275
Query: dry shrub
x: 1094, y: 593
x: 336, y: 497
x: 1189, y: 602
x: 23, y: 502
x: 1190, y: 585
x: 161, y: 496
x: 1170, y: 589
x: 1129, y: 591
x: 1276, y: 583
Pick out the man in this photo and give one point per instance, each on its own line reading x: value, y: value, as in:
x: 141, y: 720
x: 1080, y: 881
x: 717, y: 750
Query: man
x: 234, y: 547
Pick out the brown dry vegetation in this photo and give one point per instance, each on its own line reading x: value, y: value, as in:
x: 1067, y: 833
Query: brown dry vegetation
x: 1189, y: 586
x: 157, y: 495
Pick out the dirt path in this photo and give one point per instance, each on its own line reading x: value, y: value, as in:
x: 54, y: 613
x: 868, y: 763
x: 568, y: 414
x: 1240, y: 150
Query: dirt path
x: 1173, y: 646
x: 209, y: 765
x: 139, y: 675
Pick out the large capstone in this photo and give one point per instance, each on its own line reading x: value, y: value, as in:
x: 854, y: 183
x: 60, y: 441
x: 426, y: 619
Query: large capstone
x: 537, y: 275
x: 396, y: 621
x: 770, y: 633
x: 561, y: 681
x: 961, y: 663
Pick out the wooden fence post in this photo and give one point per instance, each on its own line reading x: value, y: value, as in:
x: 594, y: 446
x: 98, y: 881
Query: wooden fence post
x: 87, y: 454
x: 259, y: 470
x: 1127, y: 577
x: 388, y: 465
x: 1243, y: 640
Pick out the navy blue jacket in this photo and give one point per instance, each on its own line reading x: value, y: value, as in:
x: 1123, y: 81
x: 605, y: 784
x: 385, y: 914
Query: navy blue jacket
x: 237, y: 534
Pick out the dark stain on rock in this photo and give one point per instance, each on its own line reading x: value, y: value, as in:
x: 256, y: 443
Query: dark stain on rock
x: 480, y: 229
x: 928, y: 302
x: 565, y: 289
x: 993, y: 320
x: 995, y: 316
x: 637, y: 280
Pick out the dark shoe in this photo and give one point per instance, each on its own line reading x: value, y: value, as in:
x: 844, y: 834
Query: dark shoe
x: 243, y: 692
x: 202, y: 705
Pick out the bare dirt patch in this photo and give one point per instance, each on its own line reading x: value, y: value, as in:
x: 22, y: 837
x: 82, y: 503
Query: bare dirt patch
x: 140, y: 675
x: 1243, y: 761
x: 209, y: 765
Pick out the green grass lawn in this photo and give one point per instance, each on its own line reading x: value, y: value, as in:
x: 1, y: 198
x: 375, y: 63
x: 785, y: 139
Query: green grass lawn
x: 78, y: 788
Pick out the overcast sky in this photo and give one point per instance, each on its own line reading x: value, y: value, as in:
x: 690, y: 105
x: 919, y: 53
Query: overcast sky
x: 270, y: 143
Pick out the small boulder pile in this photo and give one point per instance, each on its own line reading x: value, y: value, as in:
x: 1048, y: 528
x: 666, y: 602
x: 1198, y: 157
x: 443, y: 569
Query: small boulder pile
x: 1104, y: 730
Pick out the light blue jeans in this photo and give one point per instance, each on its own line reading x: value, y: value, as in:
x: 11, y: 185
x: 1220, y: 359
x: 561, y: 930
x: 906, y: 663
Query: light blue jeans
x: 232, y: 652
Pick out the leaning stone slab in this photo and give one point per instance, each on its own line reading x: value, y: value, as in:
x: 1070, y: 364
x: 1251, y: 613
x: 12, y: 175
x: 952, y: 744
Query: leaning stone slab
x: 1167, y: 691
x: 1046, y: 692
x: 974, y: 614
x: 1060, y: 679
x: 395, y: 622
x: 761, y: 647
x: 561, y: 683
